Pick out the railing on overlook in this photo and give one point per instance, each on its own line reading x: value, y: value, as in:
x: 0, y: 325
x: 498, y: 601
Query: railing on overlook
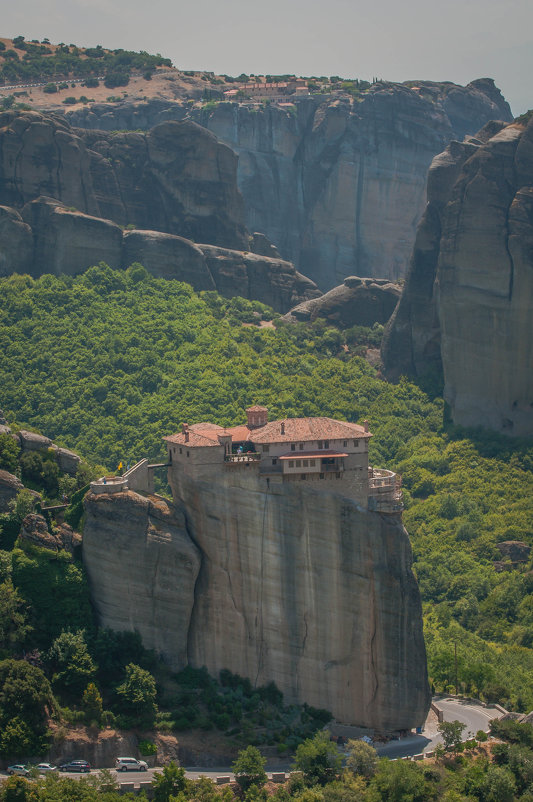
x: 384, y: 491
x: 250, y: 456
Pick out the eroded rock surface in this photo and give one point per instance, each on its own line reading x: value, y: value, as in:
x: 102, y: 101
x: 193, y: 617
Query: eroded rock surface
x: 304, y: 589
x: 357, y: 302
x: 336, y: 182
x: 9, y: 487
x: 142, y: 568
x: 176, y: 178
x: 467, y: 299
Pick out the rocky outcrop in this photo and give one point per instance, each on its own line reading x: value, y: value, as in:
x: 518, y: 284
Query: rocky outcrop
x: 67, y: 241
x: 357, y: 302
x: 16, y: 244
x: 467, y: 299
x: 336, y: 182
x: 273, y: 281
x: 176, y: 178
x: 167, y: 256
x: 35, y: 530
x: 276, y: 584
x: 142, y: 567
x: 9, y: 487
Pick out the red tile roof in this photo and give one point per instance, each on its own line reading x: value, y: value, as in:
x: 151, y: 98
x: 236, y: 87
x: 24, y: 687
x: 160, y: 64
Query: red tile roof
x: 307, y: 429
x: 256, y: 408
x: 295, y: 430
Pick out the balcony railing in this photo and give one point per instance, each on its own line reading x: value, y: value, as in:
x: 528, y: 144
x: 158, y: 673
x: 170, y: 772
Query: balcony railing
x: 251, y: 456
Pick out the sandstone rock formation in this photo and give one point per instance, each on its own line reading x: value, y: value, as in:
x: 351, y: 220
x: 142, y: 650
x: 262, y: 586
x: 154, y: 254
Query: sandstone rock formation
x: 35, y: 530
x: 142, y: 567
x: 67, y: 241
x: 302, y: 588
x: 467, y: 299
x: 16, y: 244
x: 177, y: 178
x: 273, y: 281
x: 337, y: 182
x: 357, y: 302
x: 9, y: 487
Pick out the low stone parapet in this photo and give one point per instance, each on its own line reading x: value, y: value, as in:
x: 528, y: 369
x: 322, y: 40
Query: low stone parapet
x: 110, y: 484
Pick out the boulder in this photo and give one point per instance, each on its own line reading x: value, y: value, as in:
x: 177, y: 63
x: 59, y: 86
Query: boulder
x: 9, y: 488
x: 167, y: 256
x: 272, y: 281
x: 357, y: 302
x: 67, y: 460
x: 30, y: 441
x: 35, y: 530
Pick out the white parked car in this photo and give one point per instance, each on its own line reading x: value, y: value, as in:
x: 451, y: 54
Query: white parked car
x: 130, y: 764
x: 18, y: 768
x: 43, y: 768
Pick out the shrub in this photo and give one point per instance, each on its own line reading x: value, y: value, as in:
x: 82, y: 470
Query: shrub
x: 69, y: 101
x: 50, y: 88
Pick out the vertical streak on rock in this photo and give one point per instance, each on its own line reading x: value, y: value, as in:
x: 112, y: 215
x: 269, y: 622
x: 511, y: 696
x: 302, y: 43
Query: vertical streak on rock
x: 359, y: 189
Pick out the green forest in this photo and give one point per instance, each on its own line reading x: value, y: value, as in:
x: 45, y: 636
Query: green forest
x: 109, y: 362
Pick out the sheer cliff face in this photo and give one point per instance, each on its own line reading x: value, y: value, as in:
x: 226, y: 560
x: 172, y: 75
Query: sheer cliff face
x: 302, y: 588
x: 177, y: 178
x: 338, y: 184
x: 467, y: 299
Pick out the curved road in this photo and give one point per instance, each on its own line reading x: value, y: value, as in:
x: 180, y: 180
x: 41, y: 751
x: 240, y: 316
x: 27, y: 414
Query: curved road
x: 474, y: 715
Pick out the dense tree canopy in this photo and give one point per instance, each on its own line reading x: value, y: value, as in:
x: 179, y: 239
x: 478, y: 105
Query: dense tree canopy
x: 110, y: 361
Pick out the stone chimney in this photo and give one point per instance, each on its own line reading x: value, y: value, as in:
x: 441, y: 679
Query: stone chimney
x: 256, y: 417
x: 185, y: 431
x: 282, y: 427
x: 365, y: 424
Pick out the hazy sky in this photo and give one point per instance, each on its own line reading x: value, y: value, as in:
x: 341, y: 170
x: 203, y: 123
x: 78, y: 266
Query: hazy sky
x: 447, y: 40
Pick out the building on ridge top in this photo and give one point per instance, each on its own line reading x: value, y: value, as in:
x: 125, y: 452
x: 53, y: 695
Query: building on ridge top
x: 320, y: 452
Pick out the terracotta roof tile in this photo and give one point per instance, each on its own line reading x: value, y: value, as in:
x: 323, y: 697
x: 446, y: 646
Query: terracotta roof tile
x: 295, y: 430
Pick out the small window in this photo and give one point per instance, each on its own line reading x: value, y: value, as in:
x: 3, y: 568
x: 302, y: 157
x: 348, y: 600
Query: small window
x: 326, y: 443
x: 170, y: 456
x: 291, y: 463
x: 181, y: 451
x: 266, y: 449
x: 293, y: 446
x: 305, y: 463
x: 301, y: 446
x: 321, y: 475
x: 320, y: 444
x: 187, y: 453
x: 303, y: 476
x: 312, y: 463
x: 298, y: 463
x: 356, y: 443
x: 274, y: 462
x: 344, y: 443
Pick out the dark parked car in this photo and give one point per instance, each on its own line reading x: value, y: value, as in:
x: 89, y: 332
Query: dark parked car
x: 76, y: 765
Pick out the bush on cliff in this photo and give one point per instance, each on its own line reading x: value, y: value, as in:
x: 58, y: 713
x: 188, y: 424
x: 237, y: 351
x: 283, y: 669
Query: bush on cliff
x: 26, y: 701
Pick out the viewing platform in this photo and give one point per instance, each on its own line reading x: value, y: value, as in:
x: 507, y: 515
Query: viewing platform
x: 384, y: 491
x: 110, y: 484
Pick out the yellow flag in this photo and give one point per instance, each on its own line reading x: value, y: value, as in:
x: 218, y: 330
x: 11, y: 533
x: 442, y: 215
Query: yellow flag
x: 119, y: 466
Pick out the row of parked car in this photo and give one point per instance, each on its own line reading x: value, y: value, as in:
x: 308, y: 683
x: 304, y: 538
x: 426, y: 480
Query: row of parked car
x: 121, y: 764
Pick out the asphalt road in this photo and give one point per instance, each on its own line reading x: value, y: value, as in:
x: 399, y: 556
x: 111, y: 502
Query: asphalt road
x: 475, y: 716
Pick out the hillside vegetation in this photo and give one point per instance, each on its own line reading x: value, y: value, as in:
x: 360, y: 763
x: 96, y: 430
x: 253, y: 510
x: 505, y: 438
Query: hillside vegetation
x: 110, y: 361
x: 40, y: 61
